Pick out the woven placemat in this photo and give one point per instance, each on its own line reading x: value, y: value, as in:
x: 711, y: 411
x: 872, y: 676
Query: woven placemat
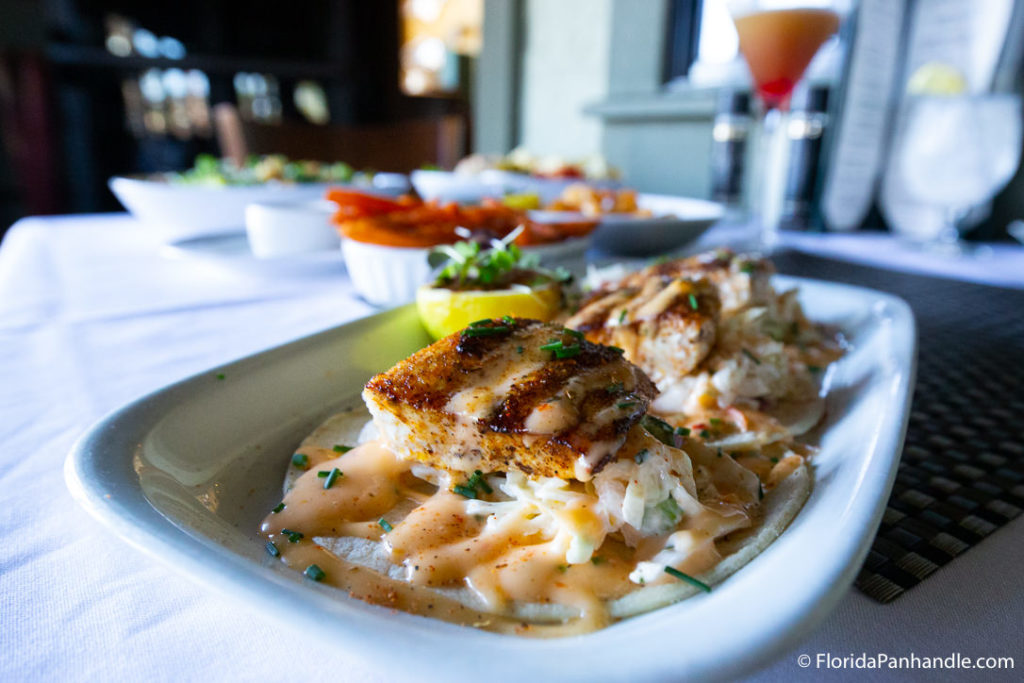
x: 961, y: 476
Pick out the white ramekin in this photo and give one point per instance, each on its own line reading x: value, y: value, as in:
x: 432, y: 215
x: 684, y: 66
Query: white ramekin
x: 282, y: 229
x: 386, y: 276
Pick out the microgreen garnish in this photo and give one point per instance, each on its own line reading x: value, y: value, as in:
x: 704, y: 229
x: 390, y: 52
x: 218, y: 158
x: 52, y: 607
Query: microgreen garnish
x: 464, y: 491
x: 671, y: 509
x: 278, y: 508
x: 272, y: 549
x: 385, y: 525
x: 467, y: 263
x: 300, y: 460
x: 693, y: 301
x: 751, y: 356
x: 332, y: 477
x: 314, y: 572
x: 338, y: 448
x: 672, y: 571
x: 293, y: 536
x: 640, y: 456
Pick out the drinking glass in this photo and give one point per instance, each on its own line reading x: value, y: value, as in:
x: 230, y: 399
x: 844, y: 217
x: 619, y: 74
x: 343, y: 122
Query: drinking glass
x: 956, y: 152
x: 778, y: 39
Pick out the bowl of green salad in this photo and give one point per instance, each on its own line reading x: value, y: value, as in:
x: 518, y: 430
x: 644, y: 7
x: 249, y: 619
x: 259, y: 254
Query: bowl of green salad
x: 211, y: 196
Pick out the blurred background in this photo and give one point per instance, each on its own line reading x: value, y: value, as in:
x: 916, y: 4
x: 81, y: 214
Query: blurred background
x: 90, y: 89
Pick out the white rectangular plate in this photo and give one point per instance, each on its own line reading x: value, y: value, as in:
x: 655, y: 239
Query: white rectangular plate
x: 187, y: 473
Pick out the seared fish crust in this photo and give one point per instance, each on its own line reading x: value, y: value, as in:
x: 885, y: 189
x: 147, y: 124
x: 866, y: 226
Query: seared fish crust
x: 511, y: 394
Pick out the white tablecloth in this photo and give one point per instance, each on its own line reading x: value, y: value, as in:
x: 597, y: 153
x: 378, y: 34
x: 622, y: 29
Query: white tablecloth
x: 92, y: 316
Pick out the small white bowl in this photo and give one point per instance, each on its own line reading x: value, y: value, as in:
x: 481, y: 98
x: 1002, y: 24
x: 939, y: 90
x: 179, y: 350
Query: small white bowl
x: 282, y: 229
x: 455, y: 187
x: 386, y: 276
x: 389, y: 276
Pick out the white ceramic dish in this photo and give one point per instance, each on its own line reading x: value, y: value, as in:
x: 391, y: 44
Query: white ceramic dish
x: 390, y: 276
x: 231, y: 251
x: 186, y: 474
x: 277, y: 229
x: 188, y: 210
x: 677, y: 221
x: 454, y: 187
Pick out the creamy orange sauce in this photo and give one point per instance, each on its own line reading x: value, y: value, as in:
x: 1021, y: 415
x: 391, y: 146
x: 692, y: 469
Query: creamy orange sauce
x: 505, y: 563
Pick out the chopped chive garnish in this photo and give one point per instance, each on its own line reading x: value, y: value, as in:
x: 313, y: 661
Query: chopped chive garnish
x: 332, y: 477
x: 220, y: 375
x: 672, y: 571
x: 478, y: 323
x: 552, y: 345
x: 507, y: 319
x: 338, y: 448
x: 568, y: 351
x: 385, y: 525
x: 640, y: 456
x: 622, y: 316
x: 293, y: 536
x: 574, y: 333
x: 322, y: 473
x: 477, y: 481
x: 464, y: 491
x: 704, y: 433
x: 519, y: 349
x: 615, y: 387
x: 715, y: 421
x: 300, y: 460
x: 272, y: 549
x: 659, y: 429
x: 682, y: 431
x: 278, y: 508
x: 671, y: 508
x: 693, y: 301
x: 748, y: 354
x: 485, y: 331
x: 314, y: 572
x: 616, y: 349
x: 625, y: 404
